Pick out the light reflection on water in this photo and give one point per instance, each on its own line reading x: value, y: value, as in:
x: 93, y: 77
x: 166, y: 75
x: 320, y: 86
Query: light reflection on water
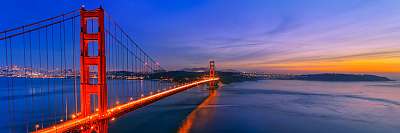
x: 263, y: 106
x: 199, y: 111
x: 304, y: 106
x: 275, y: 106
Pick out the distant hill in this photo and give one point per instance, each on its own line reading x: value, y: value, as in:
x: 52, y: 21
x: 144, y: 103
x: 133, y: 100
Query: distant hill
x: 185, y: 76
x: 339, y: 77
x: 197, y: 69
x: 177, y: 76
x: 230, y: 70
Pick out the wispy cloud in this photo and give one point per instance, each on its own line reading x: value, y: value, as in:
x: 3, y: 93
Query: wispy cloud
x: 278, y: 35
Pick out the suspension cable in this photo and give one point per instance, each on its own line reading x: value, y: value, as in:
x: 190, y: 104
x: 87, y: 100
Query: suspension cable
x: 37, y: 28
x: 38, y: 22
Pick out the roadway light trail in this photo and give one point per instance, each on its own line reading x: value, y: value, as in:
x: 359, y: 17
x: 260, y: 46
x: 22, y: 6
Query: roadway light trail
x: 120, y: 109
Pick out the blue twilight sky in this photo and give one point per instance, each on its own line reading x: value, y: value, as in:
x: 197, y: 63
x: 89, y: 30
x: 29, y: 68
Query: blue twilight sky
x: 258, y: 35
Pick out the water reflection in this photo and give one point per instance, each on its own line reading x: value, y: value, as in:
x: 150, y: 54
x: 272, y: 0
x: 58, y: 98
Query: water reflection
x: 199, y: 111
x: 304, y: 107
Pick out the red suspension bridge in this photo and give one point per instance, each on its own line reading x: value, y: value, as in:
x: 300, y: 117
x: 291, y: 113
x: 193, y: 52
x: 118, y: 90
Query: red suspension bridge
x: 77, y: 71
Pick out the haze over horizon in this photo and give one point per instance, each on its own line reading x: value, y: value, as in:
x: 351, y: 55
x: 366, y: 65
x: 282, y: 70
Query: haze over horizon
x: 287, y: 36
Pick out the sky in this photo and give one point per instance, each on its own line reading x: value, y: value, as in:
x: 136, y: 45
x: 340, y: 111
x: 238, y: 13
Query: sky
x: 279, y: 36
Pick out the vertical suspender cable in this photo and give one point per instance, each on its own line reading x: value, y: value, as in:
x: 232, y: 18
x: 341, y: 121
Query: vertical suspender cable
x: 47, y: 72
x: 125, y: 80
x: 121, y: 64
x: 65, y: 67
x: 61, y: 71
x: 25, y: 82
x: 132, y: 74
x: 12, y: 89
x: 112, y: 63
x: 141, y: 74
x: 40, y: 71
x: 8, y: 82
x: 53, y: 75
x: 136, y: 73
x: 74, y: 65
x: 31, y: 71
x: 116, y: 66
x: 108, y: 61
x: 108, y: 54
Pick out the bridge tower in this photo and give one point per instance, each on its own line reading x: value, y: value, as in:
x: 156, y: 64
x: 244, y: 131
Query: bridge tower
x: 94, y: 63
x: 212, y: 75
x: 212, y: 69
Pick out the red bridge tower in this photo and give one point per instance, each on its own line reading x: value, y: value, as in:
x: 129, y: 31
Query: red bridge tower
x: 212, y: 75
x: 97, y: 87
x: 212, y: 69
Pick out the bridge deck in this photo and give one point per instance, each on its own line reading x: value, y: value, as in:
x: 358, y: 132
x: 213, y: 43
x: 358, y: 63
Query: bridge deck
x: 120, y: 109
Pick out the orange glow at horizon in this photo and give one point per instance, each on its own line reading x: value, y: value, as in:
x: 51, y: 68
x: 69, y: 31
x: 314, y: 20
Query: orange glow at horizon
x: 383, y: 64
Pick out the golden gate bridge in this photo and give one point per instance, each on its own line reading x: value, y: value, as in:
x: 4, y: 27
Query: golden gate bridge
x: 81, y: 70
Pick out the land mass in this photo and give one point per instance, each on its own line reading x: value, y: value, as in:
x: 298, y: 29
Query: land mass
x: 185, y: 76
x: 230, y: 77
x: 337, y: 77
x: 188, y: 74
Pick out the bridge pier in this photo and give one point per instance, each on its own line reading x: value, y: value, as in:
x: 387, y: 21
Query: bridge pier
x: 98, y: 127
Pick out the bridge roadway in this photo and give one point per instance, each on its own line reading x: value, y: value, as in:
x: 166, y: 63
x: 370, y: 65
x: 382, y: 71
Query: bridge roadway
x: 120, y: 109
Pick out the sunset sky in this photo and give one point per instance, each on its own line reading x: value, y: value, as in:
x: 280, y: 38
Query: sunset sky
x: 283, y: 36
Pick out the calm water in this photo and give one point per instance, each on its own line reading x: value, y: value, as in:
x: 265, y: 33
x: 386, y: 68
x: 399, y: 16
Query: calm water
x: 273, y: 107
x: 27, y: 102
x: 262, y: 106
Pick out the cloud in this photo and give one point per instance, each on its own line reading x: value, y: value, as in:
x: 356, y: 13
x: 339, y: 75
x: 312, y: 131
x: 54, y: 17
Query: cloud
x: 285, y: 25
x: 336, y: 58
